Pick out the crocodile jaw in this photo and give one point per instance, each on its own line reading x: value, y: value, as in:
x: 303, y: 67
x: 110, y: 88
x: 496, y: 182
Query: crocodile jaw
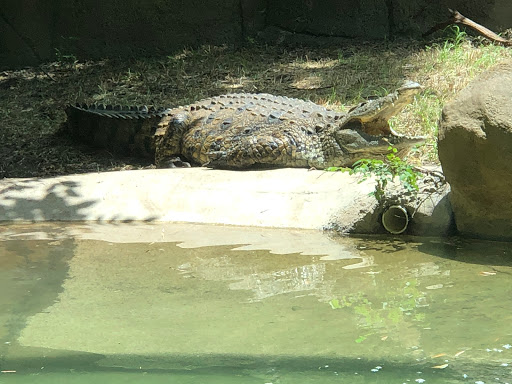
x: 354, y: 145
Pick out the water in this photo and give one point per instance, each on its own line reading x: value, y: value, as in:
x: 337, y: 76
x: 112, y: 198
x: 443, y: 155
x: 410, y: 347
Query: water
x: 206, y: 304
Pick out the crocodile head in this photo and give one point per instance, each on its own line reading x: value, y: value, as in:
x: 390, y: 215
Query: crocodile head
x: 364, y: 132
x: 372, y: 116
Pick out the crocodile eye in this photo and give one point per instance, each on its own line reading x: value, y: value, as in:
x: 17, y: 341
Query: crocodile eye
x: 247, y: 130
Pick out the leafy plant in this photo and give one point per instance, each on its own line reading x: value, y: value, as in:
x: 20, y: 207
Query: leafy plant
x: 385, y: 172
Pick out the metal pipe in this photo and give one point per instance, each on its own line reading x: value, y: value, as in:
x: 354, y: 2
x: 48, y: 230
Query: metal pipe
x: 395, y: 219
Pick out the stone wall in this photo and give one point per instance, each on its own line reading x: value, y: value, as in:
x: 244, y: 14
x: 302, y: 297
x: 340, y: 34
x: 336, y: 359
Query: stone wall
x: 381, y: 18
x: 98, y: 28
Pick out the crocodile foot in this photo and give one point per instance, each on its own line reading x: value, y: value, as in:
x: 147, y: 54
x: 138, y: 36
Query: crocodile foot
x: 217, y: 159
x: 173, y: 162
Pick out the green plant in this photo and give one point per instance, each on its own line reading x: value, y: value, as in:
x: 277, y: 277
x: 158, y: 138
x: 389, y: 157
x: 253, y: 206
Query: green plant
x: 333, y: 97
x: 456, y: 37
x: 384, y: 172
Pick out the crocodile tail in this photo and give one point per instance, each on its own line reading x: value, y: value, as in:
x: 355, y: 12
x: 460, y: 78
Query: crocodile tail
x: 121, y: 130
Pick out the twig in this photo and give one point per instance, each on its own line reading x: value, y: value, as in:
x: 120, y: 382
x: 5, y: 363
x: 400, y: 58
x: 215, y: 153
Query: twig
x: 458, y: 18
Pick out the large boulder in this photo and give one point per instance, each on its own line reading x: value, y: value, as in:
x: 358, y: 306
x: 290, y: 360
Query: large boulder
x: 475, y: 149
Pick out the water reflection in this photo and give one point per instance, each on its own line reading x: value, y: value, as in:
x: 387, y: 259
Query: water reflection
x: 301, y: 280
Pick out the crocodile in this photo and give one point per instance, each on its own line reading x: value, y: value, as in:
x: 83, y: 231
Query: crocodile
x: 244, y: 130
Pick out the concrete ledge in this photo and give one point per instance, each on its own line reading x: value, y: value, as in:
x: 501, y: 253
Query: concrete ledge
x: 286, y: 198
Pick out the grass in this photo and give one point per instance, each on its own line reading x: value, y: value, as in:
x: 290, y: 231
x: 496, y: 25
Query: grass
x: 337, y: 77
x: 444, y: 69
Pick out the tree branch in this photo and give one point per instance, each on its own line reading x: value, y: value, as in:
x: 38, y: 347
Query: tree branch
x: 457, y: 18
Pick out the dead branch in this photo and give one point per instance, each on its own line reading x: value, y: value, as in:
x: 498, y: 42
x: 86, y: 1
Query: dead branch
x: 457, y: 18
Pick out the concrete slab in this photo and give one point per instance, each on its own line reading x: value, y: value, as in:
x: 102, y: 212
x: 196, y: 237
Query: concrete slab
x: 286, y: 198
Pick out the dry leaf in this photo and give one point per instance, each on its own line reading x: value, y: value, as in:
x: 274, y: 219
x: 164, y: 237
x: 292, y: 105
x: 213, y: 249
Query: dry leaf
x: 439, y: 355
x: 384, y: 338
x: 459, y: 353
x: 485, y: 273
x: 443, y: 366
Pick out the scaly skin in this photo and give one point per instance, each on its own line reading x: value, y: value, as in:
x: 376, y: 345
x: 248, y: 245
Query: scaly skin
x: 240, y: 131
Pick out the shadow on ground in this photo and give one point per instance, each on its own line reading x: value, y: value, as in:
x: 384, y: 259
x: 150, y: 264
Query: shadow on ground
x: 25, y: 200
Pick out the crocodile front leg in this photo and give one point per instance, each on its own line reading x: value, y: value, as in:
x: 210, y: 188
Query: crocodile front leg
x: 168, y: 138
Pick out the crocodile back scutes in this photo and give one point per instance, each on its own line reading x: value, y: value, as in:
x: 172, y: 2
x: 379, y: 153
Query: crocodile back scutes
x: 265, y: 104
x: 118, y: 111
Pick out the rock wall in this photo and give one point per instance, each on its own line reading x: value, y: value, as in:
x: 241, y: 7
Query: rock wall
x: 95, y: 29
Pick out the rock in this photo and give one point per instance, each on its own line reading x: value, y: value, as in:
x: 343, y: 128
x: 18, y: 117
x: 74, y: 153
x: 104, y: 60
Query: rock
x: 429, y: 211
x: 475, y: 150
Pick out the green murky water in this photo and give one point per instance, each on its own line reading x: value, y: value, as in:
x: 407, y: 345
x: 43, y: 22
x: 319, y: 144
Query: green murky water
x: 203, y: 304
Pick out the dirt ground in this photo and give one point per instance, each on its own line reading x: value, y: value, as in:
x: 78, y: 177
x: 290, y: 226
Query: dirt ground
x: 34, y: 143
